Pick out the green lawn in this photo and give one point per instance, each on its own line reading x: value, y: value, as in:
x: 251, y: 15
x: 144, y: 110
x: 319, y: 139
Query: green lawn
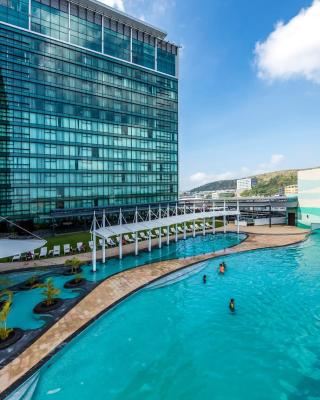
x: 74, y: 238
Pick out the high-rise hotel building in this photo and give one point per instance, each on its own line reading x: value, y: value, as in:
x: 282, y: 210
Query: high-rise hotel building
x: 88, y: 109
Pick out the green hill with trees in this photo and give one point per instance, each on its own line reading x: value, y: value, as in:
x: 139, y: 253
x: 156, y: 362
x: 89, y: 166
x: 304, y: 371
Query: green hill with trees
x: 268, y: 184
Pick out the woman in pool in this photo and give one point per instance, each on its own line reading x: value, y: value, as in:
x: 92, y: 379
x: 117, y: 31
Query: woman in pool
x: 221, y: 268
x: 232, y: 305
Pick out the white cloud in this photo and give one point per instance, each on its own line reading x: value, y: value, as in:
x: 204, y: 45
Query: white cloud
x: 276, y: 159
x: 292, y: 50
x: 119, y: 4
x: 201, y: 178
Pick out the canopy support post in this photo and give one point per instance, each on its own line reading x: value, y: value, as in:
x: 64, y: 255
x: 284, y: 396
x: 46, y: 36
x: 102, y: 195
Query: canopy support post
x: 104, y: 239
x: 168, y: 227
x: 238, y: 217
x: 213, y: 220
x: 136, y: 247
x: 176, y: 225
x: 194, y: 221
x: 160, y: 238
x: 184, y: 225
x: 94, y: 252
x: 204, y: 222
x: 120, y: 237
x: 149, y: 231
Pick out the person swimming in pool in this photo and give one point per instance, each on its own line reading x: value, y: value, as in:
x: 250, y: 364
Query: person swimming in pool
x: 221, y: 269
x: 232, y: 305
x: 204, y: 279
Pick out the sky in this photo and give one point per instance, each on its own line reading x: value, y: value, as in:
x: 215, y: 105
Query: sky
x: 249, y: 83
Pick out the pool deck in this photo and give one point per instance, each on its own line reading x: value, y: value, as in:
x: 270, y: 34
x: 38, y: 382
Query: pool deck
x: 116, y: 288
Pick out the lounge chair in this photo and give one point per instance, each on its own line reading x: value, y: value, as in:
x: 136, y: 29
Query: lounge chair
x: 128, y: 239
x: 91, y: 244
x: 165, y: 231
x: 153, y: 235
x: 208, y: 226
x: 180, y: 229
x: 143, y: 236
x: 198, y: 228
x: 134, y: 237
x: 172, y: 230
x: 55, y: 251
x: 66, y: 249
x: 100, y: 242
x: 189, y: 228
x: 17, y: 257
x: 157, y: 233
x: 43, y: 252
x: 80, y: 247
x: 110, y: 242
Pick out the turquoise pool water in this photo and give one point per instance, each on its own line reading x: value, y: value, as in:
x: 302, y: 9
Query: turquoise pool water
x: 182, y: 342
x: 22, y: 315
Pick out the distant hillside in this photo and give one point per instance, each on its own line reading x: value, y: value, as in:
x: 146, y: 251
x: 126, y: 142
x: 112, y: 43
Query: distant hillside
x: 217, y: 185
x: 268, y: 183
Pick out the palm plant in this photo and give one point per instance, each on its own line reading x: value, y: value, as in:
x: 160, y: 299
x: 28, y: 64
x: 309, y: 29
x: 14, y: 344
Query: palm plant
x: 74, y: 264
x: 4, y: 312
x: 50, y: 292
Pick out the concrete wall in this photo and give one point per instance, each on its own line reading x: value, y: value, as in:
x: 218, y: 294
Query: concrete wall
x: 308, y: 197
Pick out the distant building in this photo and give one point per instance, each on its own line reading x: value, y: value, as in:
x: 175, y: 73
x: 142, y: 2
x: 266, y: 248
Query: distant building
x: 309, y: 197
x: 245, y: 184
x: 291, y: 189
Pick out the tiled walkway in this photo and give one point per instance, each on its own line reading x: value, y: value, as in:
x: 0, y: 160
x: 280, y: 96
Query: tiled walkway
x: 117, y: 287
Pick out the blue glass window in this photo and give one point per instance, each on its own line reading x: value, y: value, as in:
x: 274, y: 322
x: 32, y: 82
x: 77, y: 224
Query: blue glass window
x: 143, y: 50
x: 116, y: 39
x: 15, y: 12
x: 50, y: 18
x: 166, y: 58
x: 85, y: 28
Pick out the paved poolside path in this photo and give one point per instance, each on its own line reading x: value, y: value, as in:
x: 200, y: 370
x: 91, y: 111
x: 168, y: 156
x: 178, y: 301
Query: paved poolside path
x: 119, y: 286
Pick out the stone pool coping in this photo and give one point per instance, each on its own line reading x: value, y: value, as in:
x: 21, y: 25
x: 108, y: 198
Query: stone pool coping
x: 115, y: 289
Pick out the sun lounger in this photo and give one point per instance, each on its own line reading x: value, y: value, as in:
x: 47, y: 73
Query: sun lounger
x: 66, y: 249
x: 55, y: 251
x: 17, y: 257
x: 110, y: 242
x: 80, y: 247
x: 43, y: 252
x: 128, y: 239
x: 143, y: 236
x: 90, y: 243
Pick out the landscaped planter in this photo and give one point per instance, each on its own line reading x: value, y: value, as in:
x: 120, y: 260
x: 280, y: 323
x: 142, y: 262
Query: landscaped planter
x: 27, y: 285
x: 43, y: 308
x: 71, y: 272
x: 15, y: 335
x: 74, y: 283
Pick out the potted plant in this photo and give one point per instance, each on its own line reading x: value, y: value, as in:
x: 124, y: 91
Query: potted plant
x: 74, y: 265
x: 8, y: 336
x: 50, y: 294
x: 77, y: 281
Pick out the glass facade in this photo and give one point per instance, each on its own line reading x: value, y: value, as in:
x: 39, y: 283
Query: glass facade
x: 78, y: 128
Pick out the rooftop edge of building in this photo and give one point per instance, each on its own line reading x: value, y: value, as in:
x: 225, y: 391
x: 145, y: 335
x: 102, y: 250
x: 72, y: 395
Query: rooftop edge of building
x: 100, y: 7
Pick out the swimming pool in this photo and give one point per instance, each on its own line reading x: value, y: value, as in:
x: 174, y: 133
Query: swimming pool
x: 22, y: 315
x: 182, y: 342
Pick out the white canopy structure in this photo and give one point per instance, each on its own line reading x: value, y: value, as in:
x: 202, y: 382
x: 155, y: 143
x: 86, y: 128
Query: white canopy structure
x: 11, y: 247
x: 163, y: 219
